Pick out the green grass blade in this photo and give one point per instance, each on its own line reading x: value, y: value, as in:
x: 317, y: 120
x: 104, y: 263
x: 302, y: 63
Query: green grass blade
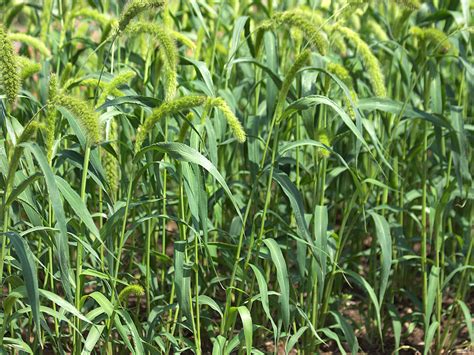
x: 382, y: 230
x: 282, y: 277
x: 30, y: 274
x: 61, y: 242
x: 248, y: 328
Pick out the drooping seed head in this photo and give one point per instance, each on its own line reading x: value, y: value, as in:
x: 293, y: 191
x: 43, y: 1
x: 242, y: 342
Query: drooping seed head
x: 135, y: 290
x: 304, y: 22
x: 299, y: 63
x: 371, y: 63
x: 27, y: 67
x: 232, y: 120
x: 377, y: 30
x: 340, y: 71
x: 110, y: 88
x: 178, y: 36
x: 30, y: 41
x: 167, y: 108
x: 132, y: 9
x: 90, y: 13
x: 168, y: 51
x: 86, y: 116
x: 433, y: 36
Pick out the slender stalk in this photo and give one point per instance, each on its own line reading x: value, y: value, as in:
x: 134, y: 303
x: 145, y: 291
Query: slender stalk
x: 80, y: 250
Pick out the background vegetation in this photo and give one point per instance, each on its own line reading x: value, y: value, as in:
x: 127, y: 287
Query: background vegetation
x: 236, y: 176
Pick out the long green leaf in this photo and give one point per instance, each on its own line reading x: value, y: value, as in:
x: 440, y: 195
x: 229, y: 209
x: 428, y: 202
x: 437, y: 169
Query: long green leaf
x: 382, y: 230
x: 30, y: 274
x: 282, y: 277
x: 57, y: 204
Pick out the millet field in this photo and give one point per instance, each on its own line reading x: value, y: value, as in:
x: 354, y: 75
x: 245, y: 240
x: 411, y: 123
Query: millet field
x: 236, y: 177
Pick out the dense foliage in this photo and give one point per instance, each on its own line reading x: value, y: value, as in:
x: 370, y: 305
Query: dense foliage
x: 236, y: 176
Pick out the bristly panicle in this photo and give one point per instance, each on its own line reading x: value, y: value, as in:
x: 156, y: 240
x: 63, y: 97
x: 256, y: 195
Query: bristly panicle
x: 168, y: 51
x: 232, y: 120
x: 300, y: 61
x: 109, y: 162
x: 88, y: 118
x: 371, y: 63
x: 30, y: 41
x: 437, y: 38
x: 51, y: 114
x: 111, y: 87
x: 9, y: 72
x: 323, y: 137
x: 304, y: 22
x: 167, y: 108
x: 135, y: 290
x: 409, y: 4
x: 377, y: 30
x: 132, y: 9
x: 27, y: 67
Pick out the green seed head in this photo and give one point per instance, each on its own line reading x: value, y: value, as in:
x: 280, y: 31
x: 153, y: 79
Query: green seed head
x: 87, y: 117
x: 9, y: 73
x: 432, y: 36
x: 111, y: 88
x: 305, y: 23
x: 409, y: 4
x: 300, y: 61
x: 232, y: 120
x: 377, y: 30
x: 109, y: 162
x: 132, y: 9
x: 129, y: 290
x: 340, y: 71
x: 51, y: 114
x: 167, y: 108
x: 168, y: 51
x: 368, y: 58
x: 31, y: 42
x: 323, y: 137
x: 27, y: 67
x: 92, y: 14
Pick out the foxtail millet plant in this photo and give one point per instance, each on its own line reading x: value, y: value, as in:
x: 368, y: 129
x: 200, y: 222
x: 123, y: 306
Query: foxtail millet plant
x: 312, y: 205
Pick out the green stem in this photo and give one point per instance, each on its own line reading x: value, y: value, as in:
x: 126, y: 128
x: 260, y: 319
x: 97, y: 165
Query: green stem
x: 78, y: 295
